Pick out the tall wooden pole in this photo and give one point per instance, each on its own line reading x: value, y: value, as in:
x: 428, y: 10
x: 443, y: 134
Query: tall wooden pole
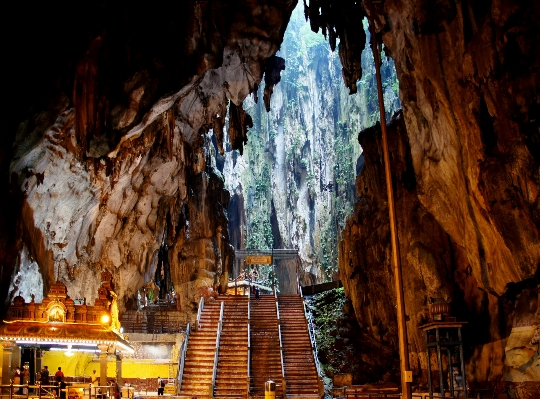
x: 406, y: 374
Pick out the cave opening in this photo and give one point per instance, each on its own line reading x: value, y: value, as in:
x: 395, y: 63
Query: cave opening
x: 297, y: 173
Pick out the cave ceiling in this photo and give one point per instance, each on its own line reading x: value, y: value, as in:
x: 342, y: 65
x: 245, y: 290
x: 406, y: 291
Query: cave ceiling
x: 111, y: 103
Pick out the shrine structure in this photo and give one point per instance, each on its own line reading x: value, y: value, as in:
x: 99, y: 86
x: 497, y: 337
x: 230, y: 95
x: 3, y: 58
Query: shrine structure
x: 61, y: 322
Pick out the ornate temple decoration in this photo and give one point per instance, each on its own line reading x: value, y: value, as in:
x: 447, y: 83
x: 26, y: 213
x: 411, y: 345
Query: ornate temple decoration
x: 60, y: 320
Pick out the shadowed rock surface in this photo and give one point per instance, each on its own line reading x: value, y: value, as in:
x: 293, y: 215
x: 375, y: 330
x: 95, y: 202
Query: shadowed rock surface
x: 465, y: 166
x: 110, y: 161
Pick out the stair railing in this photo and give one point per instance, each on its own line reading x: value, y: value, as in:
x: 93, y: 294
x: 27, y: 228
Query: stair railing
x: 298, y: 287
x: 216, y: 353
x: 199, y: 312
x: 248, y: 346
x: 309, y: 321
x: 284, y: 386
x: 183, y: 352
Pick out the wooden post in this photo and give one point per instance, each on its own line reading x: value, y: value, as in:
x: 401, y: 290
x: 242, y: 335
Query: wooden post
x: 103, y: 364
x: 7, y: 350
x: 119, y: 369
x: 396, y: 264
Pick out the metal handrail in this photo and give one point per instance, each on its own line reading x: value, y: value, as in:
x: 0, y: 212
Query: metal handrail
x: 282, y: 366
x: 199, y: 312
x: 312, y: 339
x: 357, y: 392
x: 280, y: 347
x: 183, y: 352
x: 216, y: 353
x: 298, y: 287
x: 248, y: 365
x: 249, y: 346
x: 221, y: 310
x: 284, y: 383
x: 89, y: 391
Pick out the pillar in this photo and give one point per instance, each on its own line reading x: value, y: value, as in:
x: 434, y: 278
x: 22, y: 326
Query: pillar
x: 15, y: 356
x: 119, y: 369
x: 103, y: 364
x: 39, y: 362
x: 7, y: 350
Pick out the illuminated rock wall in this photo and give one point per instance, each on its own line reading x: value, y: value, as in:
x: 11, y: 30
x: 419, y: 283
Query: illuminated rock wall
x: 111, y: 161
x: 466, y: 175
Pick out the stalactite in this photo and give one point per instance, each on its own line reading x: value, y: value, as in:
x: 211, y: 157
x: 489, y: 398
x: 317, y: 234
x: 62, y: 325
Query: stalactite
x: 85, y: 95
x: 239, y: 123
x: 272, y: 76
x: 171, y: 123
x: 219, y: 123
x: 341, y: 20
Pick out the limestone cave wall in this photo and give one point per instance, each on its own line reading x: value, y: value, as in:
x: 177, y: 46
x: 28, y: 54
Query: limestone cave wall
x: 106, y: 151
x: 295, y: 180
x: 466, y: 172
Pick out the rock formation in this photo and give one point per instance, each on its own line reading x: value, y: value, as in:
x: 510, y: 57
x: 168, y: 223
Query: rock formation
x: 467, y: 190
x: 294, y: 183
x: 111, y: 163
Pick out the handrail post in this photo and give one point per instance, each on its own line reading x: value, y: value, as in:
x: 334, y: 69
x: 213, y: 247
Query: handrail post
x: 249, y: 346
x: 199, y: 312
x: 298, y: 287
x: 216, y: 353
x: 284, y: 383
x: 312, y: 339
x: 248, y: 354
x: 183, y: 352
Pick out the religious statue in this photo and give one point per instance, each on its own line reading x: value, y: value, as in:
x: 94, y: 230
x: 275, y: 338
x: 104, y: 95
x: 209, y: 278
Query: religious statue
x: 56, y: 312
x: 115, y: 322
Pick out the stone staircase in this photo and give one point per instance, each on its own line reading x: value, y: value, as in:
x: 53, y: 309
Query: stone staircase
x: 199, y: 363
x: 265, y: 346
x: 266, y: 351
x: 300, y: 368
x: 231, y: 378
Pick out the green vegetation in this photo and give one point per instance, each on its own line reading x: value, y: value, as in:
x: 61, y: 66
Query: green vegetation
x: 316, y: 155
x: 326, y: 309
x: 328, y: 251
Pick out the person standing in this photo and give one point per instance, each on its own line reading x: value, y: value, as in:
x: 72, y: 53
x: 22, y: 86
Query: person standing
x: 44, y: 376
x: 25, y: 378
x: 115, y: 391
x: 94, y: 382
x: 17, y: 379
x: 58, y: 378
x: 161, y: 386
x: 60, y: 374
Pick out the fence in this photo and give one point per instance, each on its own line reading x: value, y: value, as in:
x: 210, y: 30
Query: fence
x: 26, y: 391
x: 152, y: 323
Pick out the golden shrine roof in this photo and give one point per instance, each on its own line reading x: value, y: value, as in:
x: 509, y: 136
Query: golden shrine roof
x: 61, y: 333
